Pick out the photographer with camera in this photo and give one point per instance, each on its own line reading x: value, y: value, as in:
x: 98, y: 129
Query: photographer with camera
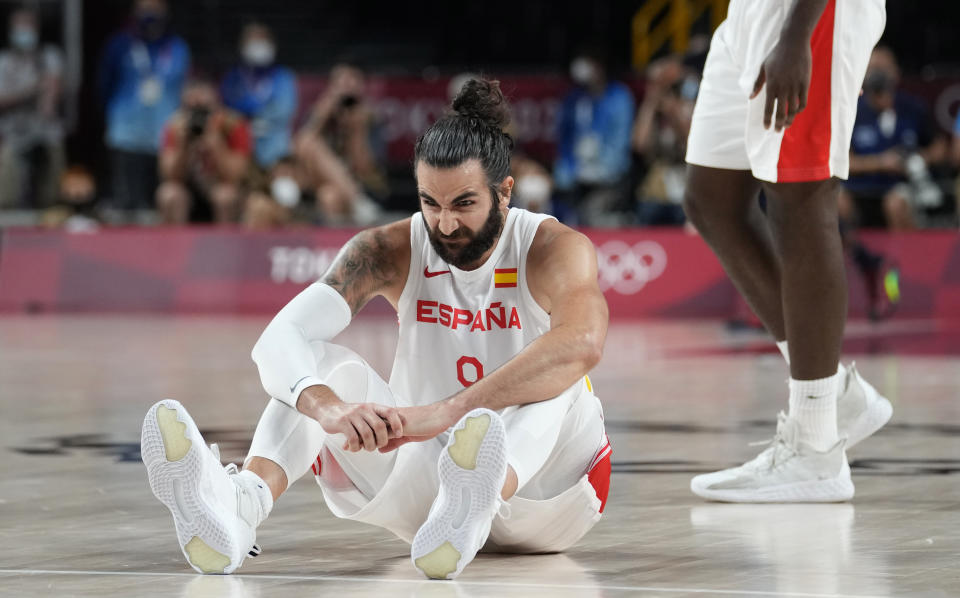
x: 204, y: 158
x: 342, y: 151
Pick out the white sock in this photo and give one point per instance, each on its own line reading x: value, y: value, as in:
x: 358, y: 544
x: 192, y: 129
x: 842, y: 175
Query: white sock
x: 259, y: 489
x: 782, y: 345
x: 813, y: 405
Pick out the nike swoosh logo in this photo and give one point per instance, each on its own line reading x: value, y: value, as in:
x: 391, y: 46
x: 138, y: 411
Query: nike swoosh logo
x: 298, y: 382
x: 427, y: 273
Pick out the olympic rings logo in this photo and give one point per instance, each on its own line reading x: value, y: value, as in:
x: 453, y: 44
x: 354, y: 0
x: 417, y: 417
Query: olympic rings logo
x: 627, y: 269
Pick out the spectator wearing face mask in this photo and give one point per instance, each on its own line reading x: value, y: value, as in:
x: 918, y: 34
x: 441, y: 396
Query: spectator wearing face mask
x: 141, y: 79
x: 277, y: 202
x: 591, y: 171
x: 264, y: 92
x: 892, y: 147
x: 32, y: 156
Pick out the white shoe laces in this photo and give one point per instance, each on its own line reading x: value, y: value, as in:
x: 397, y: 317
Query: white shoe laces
x: 231, y: 469
x: 783, y: 445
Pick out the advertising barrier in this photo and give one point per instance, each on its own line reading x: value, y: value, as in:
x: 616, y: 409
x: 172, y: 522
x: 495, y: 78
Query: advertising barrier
x: 642, y: 272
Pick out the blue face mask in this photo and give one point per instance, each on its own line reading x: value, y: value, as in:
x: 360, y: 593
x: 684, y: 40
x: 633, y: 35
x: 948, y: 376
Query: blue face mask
x: 23, y: 38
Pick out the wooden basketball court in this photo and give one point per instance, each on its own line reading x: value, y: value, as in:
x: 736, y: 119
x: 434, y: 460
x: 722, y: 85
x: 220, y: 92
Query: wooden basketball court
x: 77, y: 517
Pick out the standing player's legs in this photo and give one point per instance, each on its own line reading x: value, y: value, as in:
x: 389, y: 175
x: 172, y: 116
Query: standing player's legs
x: 720, y: 198
x: 723, y: 206
x: 806, y: 233
x: 793, y: 278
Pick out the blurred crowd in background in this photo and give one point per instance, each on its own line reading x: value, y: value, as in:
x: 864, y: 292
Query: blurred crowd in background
x: 187, y: 145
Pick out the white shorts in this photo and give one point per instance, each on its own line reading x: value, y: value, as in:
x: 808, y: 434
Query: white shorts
x: 727, y: 129
x: 557, y: 447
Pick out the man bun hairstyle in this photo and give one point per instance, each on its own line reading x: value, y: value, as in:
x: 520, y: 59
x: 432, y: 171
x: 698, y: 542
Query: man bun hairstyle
x: 472, y: 130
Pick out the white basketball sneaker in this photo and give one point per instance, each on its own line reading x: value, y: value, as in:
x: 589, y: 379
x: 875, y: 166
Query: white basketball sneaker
x: 787, y: 471
x: 473, y: 468
x: 214, y: 511
x: 861, y: 410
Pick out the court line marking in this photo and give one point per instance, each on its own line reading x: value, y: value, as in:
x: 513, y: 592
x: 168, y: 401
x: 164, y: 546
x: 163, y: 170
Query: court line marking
x: 507, y: 584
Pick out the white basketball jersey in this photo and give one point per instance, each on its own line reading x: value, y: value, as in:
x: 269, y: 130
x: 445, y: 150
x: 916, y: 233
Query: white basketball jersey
x: 456, y: 325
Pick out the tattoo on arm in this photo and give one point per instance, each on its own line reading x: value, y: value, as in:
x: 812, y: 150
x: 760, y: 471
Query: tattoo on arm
x: 362, y: 268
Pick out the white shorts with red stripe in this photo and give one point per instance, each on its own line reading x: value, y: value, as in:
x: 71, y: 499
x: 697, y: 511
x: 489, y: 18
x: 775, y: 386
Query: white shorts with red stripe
x: 727, y: 130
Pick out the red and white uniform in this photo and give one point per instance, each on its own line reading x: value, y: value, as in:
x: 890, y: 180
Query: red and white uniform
x: 727, y: 129
x: 455, y: 327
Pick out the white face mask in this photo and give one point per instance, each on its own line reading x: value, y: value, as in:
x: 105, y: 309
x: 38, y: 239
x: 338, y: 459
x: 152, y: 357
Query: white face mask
x: 286, y: 191
x: 532, y: 189
x: 582, y: 71
x: 23, y: 38
x: 258, y: 52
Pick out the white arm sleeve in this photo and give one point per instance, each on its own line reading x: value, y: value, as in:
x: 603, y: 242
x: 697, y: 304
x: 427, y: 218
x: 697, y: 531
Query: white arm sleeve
x: 285, y: 358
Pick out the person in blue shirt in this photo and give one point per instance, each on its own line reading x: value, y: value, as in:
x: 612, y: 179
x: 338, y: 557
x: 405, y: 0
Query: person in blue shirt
x: 264, y: 92
x: 141, y: 78
x: 893, y: 142
x: 593, y: 142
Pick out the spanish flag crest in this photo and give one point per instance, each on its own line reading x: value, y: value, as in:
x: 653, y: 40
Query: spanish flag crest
x: 504, y: 278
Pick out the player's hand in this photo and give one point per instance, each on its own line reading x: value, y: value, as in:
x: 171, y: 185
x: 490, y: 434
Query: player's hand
x: 366, y: 426
x: 786, y: 74
x: 423, y: 423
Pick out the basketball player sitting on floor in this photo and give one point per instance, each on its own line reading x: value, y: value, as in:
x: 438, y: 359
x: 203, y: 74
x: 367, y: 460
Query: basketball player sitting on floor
x: 499, y: 439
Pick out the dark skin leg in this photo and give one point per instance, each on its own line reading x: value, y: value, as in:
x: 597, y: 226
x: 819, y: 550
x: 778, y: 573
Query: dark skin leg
x: 804, y: 301
x: 723, y: 205
x: 803, y: 219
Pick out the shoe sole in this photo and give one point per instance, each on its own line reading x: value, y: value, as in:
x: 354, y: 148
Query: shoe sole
x: 171, y: 446
x: 472, y: 470
x: 838, y: 489
x: 878, y: 412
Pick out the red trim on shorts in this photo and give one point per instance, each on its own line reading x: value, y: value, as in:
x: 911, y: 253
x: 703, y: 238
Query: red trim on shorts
x: 805, y: 149
x: 317, y: 466
x: 599, y: 473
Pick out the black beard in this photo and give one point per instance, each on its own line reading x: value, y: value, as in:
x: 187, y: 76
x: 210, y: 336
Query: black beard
x: 478, y: 244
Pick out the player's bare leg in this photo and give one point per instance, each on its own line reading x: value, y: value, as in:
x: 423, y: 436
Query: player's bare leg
x: 795, y: 291
x: 806, y: 462
x: 269, y: 472
x: 804, y: 221
x: 723, y: 206
x: 510, y: 485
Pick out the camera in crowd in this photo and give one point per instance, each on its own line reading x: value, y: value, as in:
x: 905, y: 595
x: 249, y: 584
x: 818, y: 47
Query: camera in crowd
x: 197, y: 121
